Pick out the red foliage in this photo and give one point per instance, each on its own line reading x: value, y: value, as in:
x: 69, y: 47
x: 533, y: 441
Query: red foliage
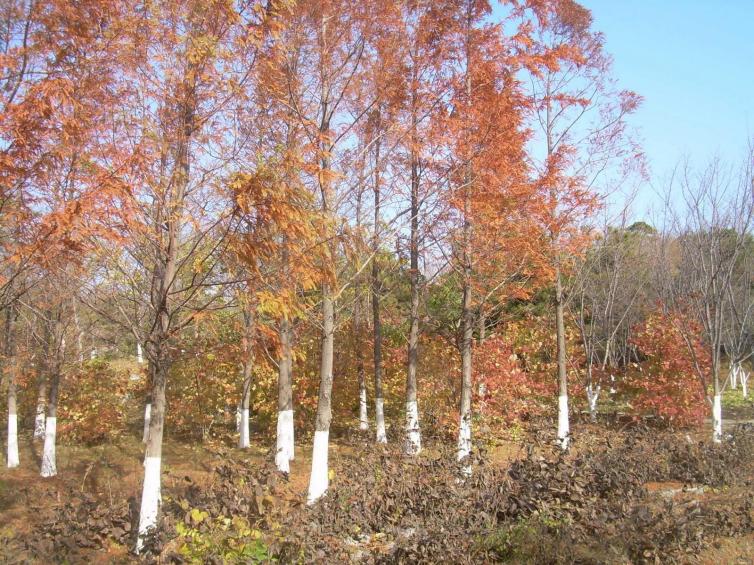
x: 506, y: 390
x: 665, y: 383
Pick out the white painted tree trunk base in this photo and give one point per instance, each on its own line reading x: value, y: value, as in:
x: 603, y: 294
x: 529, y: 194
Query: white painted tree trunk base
x: 139, y: 354
x: 717, y: 419
x: 379, y: 417
x: 39, y: 422
x: 150, y: 500
x: 363, y: 412
x: 13, y: 461
x: 319, y: 479
x: 243, y: 440
x: 464, y: 445
x: 744, y: 377
x: 413, y: 431
x: 285, y: 441
x: 49, y: 468
x: 563, y: 425
x: 592, y: 395
x: 147, y: 418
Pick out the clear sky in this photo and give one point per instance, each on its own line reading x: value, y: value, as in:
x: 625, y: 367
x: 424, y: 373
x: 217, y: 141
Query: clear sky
x: 693, y: 62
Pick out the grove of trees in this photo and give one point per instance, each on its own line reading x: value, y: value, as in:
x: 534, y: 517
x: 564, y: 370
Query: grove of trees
x: 395, y: 218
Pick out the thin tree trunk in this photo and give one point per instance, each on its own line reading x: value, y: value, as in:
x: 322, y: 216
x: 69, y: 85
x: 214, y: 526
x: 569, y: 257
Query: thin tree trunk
x: 168, y: 225
x: 151, y: 495
x: 319, y: 476
x: 467, y: 325
x: 10, y: 369
x: 379, y: 399
x: 744, y: 377
x: 139, y: 353
x: 563, y: 424
x: 467, y: 316
x: 360, y: 370
x: 285, y: 430
x: 717, y: 410
x: 148, y: 403
x: 49, y: 463
x: 319, y: 480
x: 248, y: 367
x: 413, y: 443
x: 482, y: 321
x: 592, y: 395
x: 377, y: 351
x: 39, y: 419
x: 79, y: 333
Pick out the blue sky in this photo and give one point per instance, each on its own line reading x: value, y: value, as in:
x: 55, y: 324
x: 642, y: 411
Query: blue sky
x: 693, y: 62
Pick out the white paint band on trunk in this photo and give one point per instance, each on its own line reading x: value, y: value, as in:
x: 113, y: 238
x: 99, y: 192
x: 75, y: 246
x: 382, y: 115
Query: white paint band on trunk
x: 39, y: 425
x: 49, y: 468
x: 592, y: 395
x: 717, y: 419
x: 363, y: 413
x: 464, y: 444
x: 12, y: 440
x: 319, y: 480
x: 284, y: 444
x: 150, y: 500
x: 464, y: 437
x: 413, y: 431
x: 147, y: 419
x: 379, y: 416
x: 243, y: 441
x: 563, y: 427
x: 139, y: 354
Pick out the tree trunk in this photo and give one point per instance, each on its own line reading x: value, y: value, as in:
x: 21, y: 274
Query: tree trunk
x: 168, y: 223
x: 319, y: 480
x: 248, y: 367
x: 139, y: 354
x: 151, y: 492
x: 79, y: 333
x: 413, y: 427
x: 39, y: 419
x: 377, y: 329
x: 49, y: 466
x: 285, y: 431
x: 482, y: 321
x: 148, y: 403
x: 379, y: 399
x: 592, y: 394
x: 10, y: 369
x: 467, y: 316
x: 744, y: 376
x: 563, y: 424
x: 358, y: 334
x: 717, y: 410
x: 464, y: 430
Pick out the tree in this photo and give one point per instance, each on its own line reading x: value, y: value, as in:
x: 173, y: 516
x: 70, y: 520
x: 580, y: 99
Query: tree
x: 703, y: 236
x: 582, y: 118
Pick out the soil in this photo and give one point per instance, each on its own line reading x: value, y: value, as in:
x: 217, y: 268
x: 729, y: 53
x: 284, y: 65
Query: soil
x: 622, y: 495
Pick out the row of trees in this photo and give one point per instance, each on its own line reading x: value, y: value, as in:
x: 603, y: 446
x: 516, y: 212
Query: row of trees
x: 315, y: 165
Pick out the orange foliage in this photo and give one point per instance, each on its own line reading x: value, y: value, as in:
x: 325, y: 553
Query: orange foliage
x: 664, y: 383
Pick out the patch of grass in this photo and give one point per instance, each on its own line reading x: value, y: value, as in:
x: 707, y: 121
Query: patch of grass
x: 735, y: 399
x: 541, y: 539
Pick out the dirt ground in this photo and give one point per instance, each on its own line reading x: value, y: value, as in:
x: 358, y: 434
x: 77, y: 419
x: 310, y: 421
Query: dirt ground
x: 97, y: 489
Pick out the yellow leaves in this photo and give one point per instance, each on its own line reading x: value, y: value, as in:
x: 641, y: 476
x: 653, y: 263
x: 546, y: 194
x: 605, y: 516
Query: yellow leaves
x: 198, y: 516
x: 201, y: 48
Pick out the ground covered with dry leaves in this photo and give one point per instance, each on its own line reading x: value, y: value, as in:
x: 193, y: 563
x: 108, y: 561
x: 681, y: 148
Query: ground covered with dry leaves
x: 627, y: 494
